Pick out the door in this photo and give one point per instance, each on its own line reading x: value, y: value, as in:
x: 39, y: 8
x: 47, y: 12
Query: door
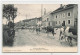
x: 63, y: 23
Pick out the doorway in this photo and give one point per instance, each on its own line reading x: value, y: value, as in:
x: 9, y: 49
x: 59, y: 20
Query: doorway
x: 63, y: 23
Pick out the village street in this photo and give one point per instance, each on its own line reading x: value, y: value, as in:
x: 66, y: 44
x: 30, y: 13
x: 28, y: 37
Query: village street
x: 25, y: 37
x: 40, y: 28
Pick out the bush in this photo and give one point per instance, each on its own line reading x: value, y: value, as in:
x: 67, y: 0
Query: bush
x: 7, y: 40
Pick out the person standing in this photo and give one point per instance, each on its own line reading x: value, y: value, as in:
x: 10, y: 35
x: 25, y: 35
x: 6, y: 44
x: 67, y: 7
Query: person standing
x: 62, y: 31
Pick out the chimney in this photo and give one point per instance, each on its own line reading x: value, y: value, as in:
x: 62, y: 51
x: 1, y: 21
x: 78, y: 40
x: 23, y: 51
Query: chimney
x: 44, y: 11
x: 61, y: 5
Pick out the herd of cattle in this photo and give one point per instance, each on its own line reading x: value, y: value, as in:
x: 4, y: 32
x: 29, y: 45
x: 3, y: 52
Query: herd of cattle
x: 65, y: 33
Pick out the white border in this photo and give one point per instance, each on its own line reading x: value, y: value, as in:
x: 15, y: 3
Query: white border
x: 39, y: 2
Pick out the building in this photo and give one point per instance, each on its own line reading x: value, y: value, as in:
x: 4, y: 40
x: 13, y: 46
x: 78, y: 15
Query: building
x: 47, y: 20
x: 66, y: 15
x: 32, y: 22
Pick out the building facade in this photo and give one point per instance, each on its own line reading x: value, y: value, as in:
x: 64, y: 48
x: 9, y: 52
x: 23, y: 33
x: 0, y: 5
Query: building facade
x: 66, y: 15
x: 32, y: 22
x: 47, y: 20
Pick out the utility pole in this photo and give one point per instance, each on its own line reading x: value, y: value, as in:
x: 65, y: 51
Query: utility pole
x: 26, y: 19
x: 41, y: 13
x: 41, y: 10
x: 44, y: 11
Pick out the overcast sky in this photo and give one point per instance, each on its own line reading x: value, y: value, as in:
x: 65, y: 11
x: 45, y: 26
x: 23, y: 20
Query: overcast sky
x: 28, y: 11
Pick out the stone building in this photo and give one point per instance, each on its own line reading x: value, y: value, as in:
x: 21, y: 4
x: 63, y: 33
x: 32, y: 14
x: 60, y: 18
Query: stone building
x: 66, y: 15
x: 32, y: 22
x: 47, y: 20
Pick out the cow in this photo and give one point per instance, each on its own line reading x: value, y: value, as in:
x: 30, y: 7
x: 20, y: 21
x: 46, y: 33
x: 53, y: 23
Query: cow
x: 68, y: 34
x: 50, y: 29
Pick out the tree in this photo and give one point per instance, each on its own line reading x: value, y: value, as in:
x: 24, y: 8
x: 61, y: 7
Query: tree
x: 9, y: 12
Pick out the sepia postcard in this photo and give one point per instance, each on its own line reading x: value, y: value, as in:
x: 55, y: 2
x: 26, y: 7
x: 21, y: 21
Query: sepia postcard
x: 40, y: 28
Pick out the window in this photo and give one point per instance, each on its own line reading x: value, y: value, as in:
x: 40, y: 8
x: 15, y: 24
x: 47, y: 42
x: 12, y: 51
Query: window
x: 56, y: 16
x: 69, y: 14
x: 63, y: 15
x: 59, y: 22
x: 68, y: 21
x: 47, y: 19
x: 56, y: 22
x: 63, y: 24
x: 59, y: 16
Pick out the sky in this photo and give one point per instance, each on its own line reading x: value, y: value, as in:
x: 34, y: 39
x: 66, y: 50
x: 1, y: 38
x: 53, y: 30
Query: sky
x: 28, y: 11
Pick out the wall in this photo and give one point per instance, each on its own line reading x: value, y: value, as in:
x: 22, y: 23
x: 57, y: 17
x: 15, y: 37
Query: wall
x: 60, y: 17
x: 75, y: 11
x: 46, y: 22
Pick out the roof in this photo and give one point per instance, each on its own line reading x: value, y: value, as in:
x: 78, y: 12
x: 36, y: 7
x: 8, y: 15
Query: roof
x: 47, y: 14
x: 31, y: 19
x: 65, y: 7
